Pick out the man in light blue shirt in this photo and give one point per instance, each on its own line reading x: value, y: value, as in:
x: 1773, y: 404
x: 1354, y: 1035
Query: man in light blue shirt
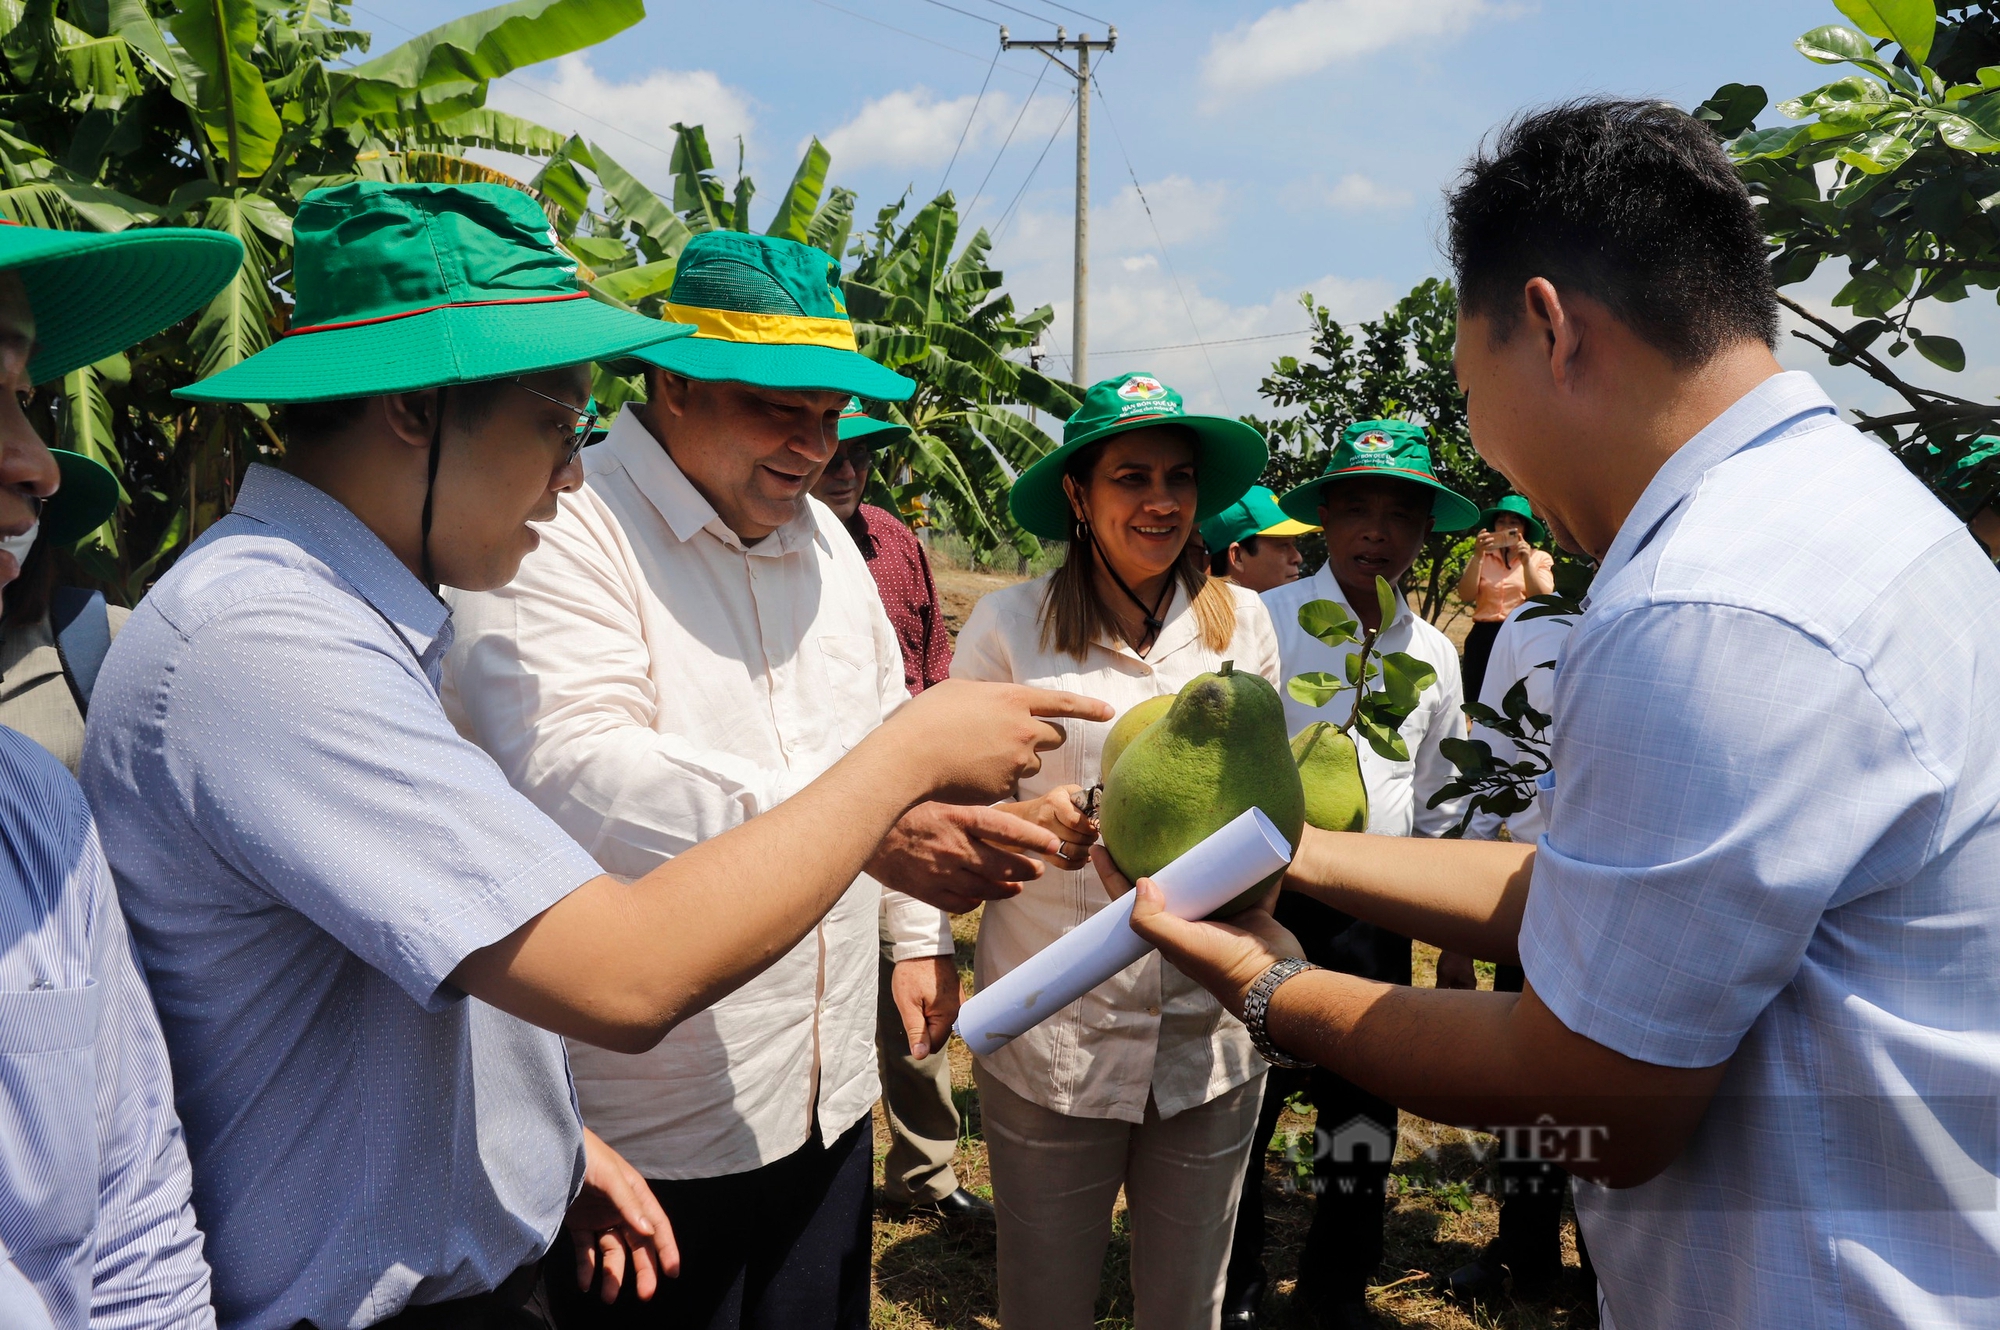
x: 363, y: 942
x: 96, y: 1227
x: 1761, y: 931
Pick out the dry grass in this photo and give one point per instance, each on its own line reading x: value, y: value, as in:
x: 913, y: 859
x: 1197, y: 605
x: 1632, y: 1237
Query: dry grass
x: 929, y: 1277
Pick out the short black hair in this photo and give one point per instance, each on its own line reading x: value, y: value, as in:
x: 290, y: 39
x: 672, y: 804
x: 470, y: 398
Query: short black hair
x: 1633, y: 203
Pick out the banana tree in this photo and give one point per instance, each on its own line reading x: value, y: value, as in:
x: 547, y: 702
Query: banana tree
x: 223, y: 114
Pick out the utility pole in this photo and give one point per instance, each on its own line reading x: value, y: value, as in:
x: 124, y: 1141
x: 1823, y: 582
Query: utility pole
x: 1082, y: 44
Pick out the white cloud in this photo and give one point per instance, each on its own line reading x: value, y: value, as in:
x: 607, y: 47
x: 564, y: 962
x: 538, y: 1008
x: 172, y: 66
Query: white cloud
x: 633, y: 120
x: 1357, y: 193
x: 1140, y: 262
x: 1183, y: 210
x: 913, y: 127
x: 1304, y: 38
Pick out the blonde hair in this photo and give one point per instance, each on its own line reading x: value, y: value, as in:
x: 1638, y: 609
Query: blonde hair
x: 1073, y: 613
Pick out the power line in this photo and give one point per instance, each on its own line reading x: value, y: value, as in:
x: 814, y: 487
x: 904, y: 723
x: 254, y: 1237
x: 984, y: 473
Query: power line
x: 1161, y: 241
x: 1002, y: 4
x: 824, y: 4
x: 1019, y: 116
x: 1008, y: 213
x: 1221, y: 341
x: 974, y: 115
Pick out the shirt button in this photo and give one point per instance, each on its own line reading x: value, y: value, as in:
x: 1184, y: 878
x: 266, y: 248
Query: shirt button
x: 1152, y: 1011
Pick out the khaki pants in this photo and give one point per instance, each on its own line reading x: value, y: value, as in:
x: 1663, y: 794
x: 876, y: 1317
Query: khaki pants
x: 1056, y: 1179
x: 923, y: 1120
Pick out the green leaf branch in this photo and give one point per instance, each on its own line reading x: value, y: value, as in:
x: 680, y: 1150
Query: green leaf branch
x: 1378, y: 713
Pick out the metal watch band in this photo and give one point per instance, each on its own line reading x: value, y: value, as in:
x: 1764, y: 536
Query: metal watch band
x: 1257, y: 1004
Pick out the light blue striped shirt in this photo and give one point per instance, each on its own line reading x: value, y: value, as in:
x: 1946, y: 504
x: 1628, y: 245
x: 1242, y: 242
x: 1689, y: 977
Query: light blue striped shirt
x: 306, y: 849
x: 1774, y: 838
x: 94, y: 1207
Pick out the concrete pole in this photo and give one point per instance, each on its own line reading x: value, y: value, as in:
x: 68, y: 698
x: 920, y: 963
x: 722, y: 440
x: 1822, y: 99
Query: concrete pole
x: 1080, y: 331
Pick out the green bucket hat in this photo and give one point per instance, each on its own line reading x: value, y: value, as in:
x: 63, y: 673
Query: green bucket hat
x: 770, y: 313
x: 856, y: 423
x: 95, y: 294
x: 1518, y: 506
x: 1392, y: 448
x: 402, y: 287
x: 86, y: 501
x: 1229, y: 455
x: 1255, y: 514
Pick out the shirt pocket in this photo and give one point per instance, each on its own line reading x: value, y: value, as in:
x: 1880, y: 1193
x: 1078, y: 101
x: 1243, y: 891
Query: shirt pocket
x: 854, y: 690
x: 48, y: 1110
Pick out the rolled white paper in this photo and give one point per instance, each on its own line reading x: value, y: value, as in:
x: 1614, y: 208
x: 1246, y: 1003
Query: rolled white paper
x: 1200, y: 882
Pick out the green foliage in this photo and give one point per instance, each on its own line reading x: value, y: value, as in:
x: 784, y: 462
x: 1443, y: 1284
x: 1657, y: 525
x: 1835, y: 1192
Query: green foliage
x: 223, y: 114
x: 1487, y: 784
x: 1398, y: 365
x: 1894, y: 169
x: 941, y: 318
x: 1377, y: 715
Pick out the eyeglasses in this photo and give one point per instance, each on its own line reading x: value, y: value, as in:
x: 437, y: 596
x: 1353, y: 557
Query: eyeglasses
x: 586, y: 419
x: 860, y: 458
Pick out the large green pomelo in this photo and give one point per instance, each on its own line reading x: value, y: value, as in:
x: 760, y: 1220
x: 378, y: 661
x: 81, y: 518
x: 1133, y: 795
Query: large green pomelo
x: 1330, y: 770
x: 1128, y: 727
x: 1219, y: 751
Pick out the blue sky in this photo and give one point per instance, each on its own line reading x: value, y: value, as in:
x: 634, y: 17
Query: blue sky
x: 1287, y: 147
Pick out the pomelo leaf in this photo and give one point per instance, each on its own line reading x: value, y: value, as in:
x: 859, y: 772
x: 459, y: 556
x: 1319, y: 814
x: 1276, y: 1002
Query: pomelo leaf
x: 1386, y: 742
x: 1385, y: 596
x: 1315, y: 688
x: 1329, y: 621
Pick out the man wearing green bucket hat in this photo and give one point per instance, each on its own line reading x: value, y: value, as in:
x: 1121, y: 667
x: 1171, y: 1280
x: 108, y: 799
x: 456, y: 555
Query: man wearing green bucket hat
x: 693, y: 642
x: 321, y: 870
x: 96, y: 1219
x: 1378, y: 498
x: 1254, y: 543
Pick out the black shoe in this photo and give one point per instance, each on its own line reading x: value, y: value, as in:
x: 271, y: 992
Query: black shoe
x: 1481, y: 1279
x: 1243, y: 1318
x: 1239, y: 1306
x: 960, y: 1207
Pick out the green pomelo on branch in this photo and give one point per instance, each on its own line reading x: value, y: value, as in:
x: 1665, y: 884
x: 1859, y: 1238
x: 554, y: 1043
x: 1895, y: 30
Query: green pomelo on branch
x: 1330, y: 771
x: 1129, y: 726
x: 1219, y: 750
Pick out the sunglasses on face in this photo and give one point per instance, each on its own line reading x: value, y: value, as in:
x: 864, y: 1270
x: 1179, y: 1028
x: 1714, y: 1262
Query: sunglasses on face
x: 586, y: 419
x: 859, y: 458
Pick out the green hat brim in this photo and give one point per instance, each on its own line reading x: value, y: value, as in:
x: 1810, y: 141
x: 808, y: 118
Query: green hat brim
x: 789, y: 367
x: 1535, y: 527
x: 86, y: 500
x: 457, y: 344
x: 1450, y: 511
x: 96, y: 294
x: 861, y: 427
x: 1229, y: 456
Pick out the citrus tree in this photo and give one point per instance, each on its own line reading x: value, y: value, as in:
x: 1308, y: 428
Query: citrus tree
x: 1892, y: 168
x: 223, y: 114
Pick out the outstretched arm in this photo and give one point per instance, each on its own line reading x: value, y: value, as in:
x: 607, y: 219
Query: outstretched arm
x: 620, y: 964
x: 1458, y: 895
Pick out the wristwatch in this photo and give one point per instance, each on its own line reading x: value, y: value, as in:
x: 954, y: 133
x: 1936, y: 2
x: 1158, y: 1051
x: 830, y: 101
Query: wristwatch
x: 1257, y: 1003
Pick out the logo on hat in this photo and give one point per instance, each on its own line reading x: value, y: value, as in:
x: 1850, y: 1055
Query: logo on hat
x: 1374, y: 441
x: 1139, y: 388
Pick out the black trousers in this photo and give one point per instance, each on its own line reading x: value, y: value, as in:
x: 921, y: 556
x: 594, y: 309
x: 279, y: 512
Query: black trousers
x: 1355, y: 1140
x: 782, y: 1247
x: 520, y: 1303
x: 1478, y: 650
x: 1530, y: 1195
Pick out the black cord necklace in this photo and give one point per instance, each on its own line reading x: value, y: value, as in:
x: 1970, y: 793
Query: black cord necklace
x: 1152, y: 616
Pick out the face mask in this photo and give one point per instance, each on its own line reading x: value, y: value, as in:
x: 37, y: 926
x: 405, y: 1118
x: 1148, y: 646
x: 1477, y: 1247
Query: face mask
x: 18, y: 546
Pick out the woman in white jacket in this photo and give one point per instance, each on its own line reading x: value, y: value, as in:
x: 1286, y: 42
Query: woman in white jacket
x: 1146, y: 1082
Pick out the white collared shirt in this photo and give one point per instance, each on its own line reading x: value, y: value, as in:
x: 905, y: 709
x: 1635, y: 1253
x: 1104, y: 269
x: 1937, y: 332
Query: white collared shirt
x: 1521, y: 650
x: 1397, y: 791
x: 650, y: 681
x: 1150, y: 1030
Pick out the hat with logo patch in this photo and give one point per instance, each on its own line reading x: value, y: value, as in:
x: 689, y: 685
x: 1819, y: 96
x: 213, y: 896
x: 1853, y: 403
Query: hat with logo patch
x: 856, y: 423
x: 770, y: 313
x: 403, y: 287
x: 1229, y: 455
x: 1393, y: 449
x: 1255, y: 514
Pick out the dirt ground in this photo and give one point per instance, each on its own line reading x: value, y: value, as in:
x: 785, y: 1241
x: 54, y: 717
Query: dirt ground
x: 930, y: 1277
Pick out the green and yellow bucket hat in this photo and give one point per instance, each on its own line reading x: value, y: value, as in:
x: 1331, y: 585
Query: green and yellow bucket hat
x: 402, y: 287
x: 1392, y: 448
x: 770, y: 313
x: 1255, y: 514
x: 856, y: 423
x: 1515, y: 504
x: 1229, y: 455
x: 94, y: 294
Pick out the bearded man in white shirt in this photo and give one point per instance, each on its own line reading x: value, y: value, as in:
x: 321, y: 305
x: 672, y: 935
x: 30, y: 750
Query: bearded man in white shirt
x: 1377, y: 499
x: 694, y: 641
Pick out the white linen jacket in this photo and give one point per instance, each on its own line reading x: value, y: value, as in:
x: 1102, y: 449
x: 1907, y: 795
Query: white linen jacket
x: 1149, y: 1031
